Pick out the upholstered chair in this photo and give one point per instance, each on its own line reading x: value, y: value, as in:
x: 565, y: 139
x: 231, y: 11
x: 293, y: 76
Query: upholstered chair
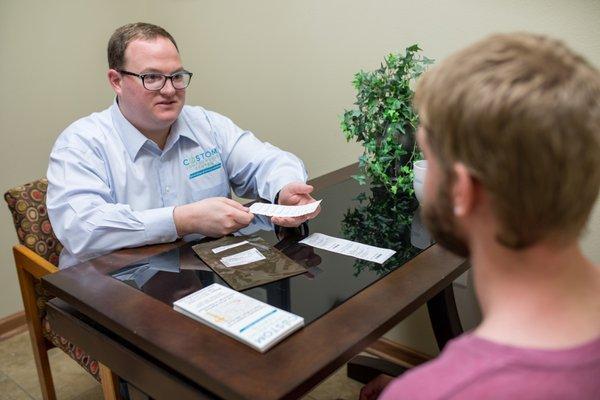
x: 36, y: 256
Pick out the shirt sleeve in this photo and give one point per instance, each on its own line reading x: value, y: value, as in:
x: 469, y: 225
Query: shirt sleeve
x: 84, y: 215
x: 255, y: 168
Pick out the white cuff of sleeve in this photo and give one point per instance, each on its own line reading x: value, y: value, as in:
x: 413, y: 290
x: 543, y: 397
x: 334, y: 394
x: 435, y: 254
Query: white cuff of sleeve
x: 159, y: 225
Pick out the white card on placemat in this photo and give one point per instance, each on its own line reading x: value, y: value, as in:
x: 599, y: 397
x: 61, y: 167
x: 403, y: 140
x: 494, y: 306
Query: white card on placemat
x: 245, y: 257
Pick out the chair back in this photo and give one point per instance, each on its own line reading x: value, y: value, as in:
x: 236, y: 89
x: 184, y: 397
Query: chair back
x: 27, y: 203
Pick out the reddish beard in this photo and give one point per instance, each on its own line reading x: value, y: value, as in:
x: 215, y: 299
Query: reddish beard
x: 438, y: 217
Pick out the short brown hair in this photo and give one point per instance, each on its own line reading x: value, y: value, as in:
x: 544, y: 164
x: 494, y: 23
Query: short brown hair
x: 126, y: 34
x: 522, y: 111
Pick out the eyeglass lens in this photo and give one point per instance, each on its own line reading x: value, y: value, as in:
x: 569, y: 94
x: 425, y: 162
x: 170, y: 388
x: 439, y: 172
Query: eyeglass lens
x: 157, y: 81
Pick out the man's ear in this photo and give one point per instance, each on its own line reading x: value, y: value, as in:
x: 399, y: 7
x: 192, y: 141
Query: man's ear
x: 464, y: 191
x: 115, y: 80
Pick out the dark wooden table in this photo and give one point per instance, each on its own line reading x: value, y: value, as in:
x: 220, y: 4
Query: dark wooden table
x: 168, y: 355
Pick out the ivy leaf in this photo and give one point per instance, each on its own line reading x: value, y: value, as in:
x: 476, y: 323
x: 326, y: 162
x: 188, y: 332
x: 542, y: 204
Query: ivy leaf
x: 361, y: 179
x: 382, y: 116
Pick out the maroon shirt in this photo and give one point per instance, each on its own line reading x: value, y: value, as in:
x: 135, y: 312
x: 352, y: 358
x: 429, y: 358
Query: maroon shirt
x: 474, y: 368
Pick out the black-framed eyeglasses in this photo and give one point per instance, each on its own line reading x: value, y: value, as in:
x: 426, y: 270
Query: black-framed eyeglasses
x: 155, y: 81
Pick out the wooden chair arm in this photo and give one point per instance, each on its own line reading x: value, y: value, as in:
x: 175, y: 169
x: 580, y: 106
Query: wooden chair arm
x: 31, y: 262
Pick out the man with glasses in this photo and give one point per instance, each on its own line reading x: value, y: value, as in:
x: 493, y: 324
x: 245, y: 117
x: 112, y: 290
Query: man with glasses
x: 150, y: 169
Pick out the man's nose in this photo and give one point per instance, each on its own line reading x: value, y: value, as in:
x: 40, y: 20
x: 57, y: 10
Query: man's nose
x: 168, y: 89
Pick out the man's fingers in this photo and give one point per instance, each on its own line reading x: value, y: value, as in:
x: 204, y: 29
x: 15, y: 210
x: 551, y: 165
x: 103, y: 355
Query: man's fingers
x: 289, y: 222
x: 242, y: 217
x: 234, y: 204
x: 298, y: 188
x: 240, y: 214
x: 297, y: 200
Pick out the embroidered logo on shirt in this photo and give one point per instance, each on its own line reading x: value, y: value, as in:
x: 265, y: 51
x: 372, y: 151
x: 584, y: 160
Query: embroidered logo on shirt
x: 202, y: 163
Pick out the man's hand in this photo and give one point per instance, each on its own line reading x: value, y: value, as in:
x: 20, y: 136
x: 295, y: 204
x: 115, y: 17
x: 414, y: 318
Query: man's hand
x: 295, y: 194
x: 213, y: 217
x: 373, y: 389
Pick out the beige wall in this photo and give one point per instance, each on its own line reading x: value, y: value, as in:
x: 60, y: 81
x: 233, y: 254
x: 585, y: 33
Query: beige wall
x: 280, y: 68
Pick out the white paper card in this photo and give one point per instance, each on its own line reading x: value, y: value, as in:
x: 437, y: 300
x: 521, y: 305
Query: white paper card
x: 245, y: 257
x: 219, y: 249
x: 244, y: 318
x: 348, y: 247
x: 278, y: 210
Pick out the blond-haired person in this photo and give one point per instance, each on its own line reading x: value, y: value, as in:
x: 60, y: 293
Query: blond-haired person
x: 511, y: 130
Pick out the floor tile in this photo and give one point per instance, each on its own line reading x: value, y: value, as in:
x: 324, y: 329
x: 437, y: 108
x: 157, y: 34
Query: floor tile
x: 17, y: 364
x: 92, y: 394
x: 9, y: 390
x: 337, y: 386
x: 70, y: 379
x: 15, y: 349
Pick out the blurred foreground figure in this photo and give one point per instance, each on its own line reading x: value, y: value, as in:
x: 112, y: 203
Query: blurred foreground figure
x: 510, y: 127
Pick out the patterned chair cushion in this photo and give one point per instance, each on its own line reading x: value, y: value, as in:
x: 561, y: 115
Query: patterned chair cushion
x: 75, y: 352
x: 27, y: 203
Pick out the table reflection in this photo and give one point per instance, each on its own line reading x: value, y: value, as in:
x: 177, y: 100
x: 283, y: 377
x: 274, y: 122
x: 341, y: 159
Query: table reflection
x: 350, y: 211
x: 389, y: 221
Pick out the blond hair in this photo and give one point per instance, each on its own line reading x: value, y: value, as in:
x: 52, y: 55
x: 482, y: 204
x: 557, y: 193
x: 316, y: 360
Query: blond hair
x: 522, y: 112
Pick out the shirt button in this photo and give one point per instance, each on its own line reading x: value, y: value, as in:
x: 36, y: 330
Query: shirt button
x: 168, y: 189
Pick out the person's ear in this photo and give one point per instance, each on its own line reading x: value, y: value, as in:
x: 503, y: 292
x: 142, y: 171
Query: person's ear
x: 464, y: 191
x: 115, y: 80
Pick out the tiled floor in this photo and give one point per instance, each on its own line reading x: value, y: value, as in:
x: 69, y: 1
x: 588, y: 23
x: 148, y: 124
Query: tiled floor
x: 18, y: 377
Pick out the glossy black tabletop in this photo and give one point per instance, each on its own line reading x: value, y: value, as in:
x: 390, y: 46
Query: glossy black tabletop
x: 349, y: 211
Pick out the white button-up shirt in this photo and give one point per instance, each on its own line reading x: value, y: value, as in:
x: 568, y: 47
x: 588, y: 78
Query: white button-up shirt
x: 111, y: 187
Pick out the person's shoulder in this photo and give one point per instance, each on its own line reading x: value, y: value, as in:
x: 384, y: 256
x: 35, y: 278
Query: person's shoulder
x: 85, y: 132
x: 471, y: 367
x: 455, y: 367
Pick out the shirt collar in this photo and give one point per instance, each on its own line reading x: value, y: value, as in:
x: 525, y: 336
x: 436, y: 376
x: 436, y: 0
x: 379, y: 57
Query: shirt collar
x: 131, y: 137
x: 134, y: 140
x: 179, y: 129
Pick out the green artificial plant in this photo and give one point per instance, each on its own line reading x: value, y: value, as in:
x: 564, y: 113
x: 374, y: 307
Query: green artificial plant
x: 385, y: 122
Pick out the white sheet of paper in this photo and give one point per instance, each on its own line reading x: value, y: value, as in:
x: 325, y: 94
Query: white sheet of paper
x: 245, y: 257
x: 349, y: 248
x: 277, y: 210
x: 228, y: 246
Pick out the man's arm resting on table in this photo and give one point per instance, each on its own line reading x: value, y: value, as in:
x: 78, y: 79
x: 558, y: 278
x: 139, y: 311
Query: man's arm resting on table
x: 89, y: 229
x: 84, y: 215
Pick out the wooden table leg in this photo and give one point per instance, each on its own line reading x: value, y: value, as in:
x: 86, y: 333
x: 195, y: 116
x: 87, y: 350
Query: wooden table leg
x: 364, y: 369
x: 444, y: 317
x: 446, y: 326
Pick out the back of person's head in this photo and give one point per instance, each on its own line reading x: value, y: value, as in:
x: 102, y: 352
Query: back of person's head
x: 124, y: 35
x: 522, y: 113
